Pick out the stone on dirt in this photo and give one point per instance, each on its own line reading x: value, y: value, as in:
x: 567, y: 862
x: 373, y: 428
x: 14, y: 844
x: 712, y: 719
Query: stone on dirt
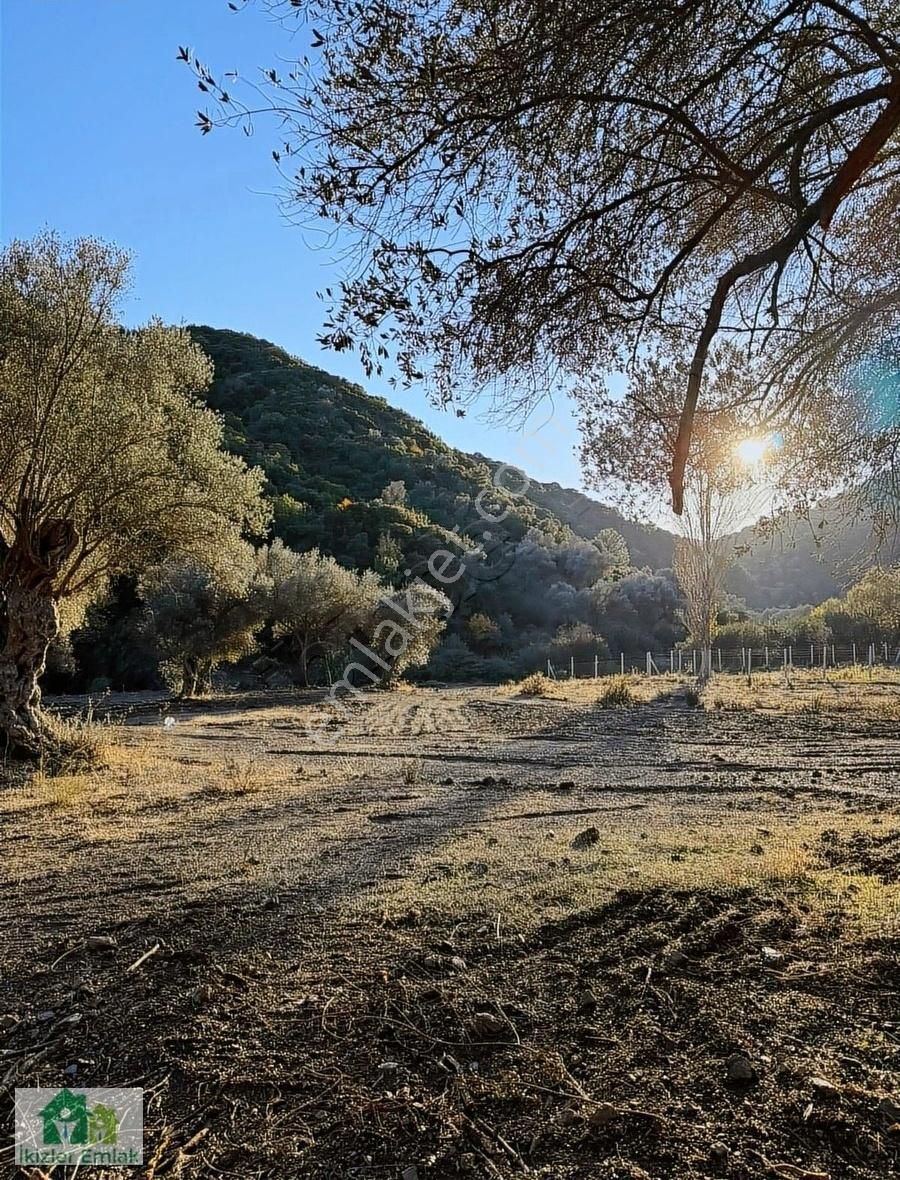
x: 587, y: 1000
x: 486, y: 1026
x: 603, y: 1113
x: 674, y: 960
x: 823, y: 1088
x: 587, y: 838
x: 740, y: 1069
x: 100, y: 942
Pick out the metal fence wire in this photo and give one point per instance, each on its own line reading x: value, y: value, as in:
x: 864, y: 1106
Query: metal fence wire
x: 744, y: 660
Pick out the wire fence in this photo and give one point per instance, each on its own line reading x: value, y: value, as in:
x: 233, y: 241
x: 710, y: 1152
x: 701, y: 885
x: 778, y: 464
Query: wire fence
x: 746, y: 660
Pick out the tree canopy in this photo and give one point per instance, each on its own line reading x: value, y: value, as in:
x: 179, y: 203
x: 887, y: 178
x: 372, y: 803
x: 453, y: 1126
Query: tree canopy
x: 541, y: 191
x: 109, y: 462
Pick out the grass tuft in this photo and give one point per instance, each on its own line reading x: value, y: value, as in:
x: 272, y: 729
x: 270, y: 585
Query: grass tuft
x: 616, y: 694
x: 233, y: 778
x: 76, y: 744
x: 411, y: 772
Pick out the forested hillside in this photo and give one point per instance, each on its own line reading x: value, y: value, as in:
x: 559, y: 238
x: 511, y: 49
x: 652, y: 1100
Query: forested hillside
x: 367, y: 486
x: 334, y: 456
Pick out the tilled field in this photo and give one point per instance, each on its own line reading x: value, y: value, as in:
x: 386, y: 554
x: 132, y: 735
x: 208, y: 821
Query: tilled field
x: 468, y: 935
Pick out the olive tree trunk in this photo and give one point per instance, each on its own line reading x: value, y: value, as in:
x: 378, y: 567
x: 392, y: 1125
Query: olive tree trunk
x: 31, y: 623
x: 196, y: 677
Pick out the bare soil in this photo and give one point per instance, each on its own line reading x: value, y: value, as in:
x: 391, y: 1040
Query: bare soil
x: 468, y: 935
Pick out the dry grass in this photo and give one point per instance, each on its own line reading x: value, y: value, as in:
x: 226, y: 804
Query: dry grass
x: 64, y: 790
x: 616, y: 693
x: 173, y: 785
x: 531, y: 878
x: 807, y: 693
x: 535, y: 685
x: 642, y: 688
x: 236, y: 777
x: 845, y: 691
x: 78, y: 743
x: 411, y: 771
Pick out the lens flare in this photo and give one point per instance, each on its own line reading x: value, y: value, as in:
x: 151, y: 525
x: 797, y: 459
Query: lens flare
x: 752, y: 451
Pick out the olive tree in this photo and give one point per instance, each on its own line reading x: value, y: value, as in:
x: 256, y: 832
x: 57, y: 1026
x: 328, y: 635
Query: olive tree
x: 540, y: 190
x: 315, y: 604
x: 109, y: 461
x: 406, y: 628
x: 200, y: 613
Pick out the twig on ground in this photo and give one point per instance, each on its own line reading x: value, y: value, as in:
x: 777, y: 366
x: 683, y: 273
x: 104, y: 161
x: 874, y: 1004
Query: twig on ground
x: 143, y: 958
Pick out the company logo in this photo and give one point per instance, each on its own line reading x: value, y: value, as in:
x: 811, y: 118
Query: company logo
x: 88, y: 1128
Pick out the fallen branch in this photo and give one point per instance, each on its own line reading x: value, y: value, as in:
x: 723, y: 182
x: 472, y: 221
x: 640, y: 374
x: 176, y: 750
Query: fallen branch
x: 791, y: 1171
x: 143, y: 959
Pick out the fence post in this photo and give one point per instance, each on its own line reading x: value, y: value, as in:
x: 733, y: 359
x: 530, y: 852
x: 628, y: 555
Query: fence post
x: 854, y: 655
x: 596, y: 665
x: 719, y: 653
x: 622, y: 663
x: 649, y: 664
x: 812, y: 655
x: 886, y: 656
x: 767, y: 658
x: 571, y: 667
x: 824, y: 658
x: 550, y: 669
x: 672, y: 660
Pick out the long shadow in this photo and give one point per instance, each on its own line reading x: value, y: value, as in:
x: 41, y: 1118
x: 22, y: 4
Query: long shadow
x: 132, y: 707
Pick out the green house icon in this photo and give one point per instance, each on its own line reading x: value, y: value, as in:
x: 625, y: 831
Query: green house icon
x: 65, y: 1119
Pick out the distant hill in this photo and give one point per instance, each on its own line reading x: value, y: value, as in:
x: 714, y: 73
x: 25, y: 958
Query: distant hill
x: 809, y: 560
x: 345, y: 469
x: 330, y: 450
x: 648, y: 546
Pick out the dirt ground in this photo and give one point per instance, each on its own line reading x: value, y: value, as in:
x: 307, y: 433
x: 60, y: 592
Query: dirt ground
x: 469, y: 934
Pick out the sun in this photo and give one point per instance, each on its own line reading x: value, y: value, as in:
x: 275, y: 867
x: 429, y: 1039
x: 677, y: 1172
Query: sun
x: 752, y: 451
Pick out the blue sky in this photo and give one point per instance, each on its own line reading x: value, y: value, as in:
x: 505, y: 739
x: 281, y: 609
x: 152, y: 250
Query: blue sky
x: 98, y: 138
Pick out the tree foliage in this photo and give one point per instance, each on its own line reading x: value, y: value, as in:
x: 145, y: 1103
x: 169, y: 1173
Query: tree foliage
x: 868, y: 613
x: 407, y: 627
x: 108, y: 460
x: 538, y: 190
x: 199, y: 614
x: 314, y: 604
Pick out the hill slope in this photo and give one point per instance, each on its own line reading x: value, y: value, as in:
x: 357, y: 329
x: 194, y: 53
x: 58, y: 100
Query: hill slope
x: 335, y: 457
x: 330, y: 451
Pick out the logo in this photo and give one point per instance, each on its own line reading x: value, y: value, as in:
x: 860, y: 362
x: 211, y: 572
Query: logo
x: 87, y: 1128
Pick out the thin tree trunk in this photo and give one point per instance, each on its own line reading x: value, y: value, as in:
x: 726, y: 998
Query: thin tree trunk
x: 196, y: 677
x: 190, y: 676
x: 31, y: 623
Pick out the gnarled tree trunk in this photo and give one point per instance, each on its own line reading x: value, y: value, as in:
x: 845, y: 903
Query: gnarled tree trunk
x: 28, y: 624
x: 32, y: 622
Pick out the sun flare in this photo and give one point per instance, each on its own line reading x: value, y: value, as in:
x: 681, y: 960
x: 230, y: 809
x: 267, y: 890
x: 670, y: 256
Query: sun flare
x: 752, y: 451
